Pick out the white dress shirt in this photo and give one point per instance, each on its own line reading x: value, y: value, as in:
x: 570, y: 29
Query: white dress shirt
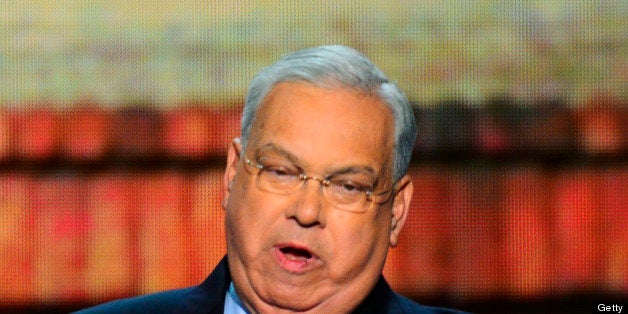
x: 233, y: 305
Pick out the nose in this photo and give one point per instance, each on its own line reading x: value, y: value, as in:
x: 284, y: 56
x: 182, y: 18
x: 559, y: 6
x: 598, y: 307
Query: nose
x: 307, y: 209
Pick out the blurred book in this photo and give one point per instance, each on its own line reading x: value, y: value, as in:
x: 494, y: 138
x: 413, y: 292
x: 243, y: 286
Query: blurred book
x: 577, y: 249
x: 525, y: 221
x: 7, y: 134
x: 60, y: 232
x: 455, y: 125
x: 137, y: 133
x: 187, y: 133
x: 112, y: 264
x: 427, y: 143
x: 38, y: 133
x: 602, y: 126
x: 445, y: 131
x: 493, y: 127
x: 17, y: 250
x: 226, y: 127
x: 544, y: 129
x: 419, y: 266
x: 162, y: 201
x: 88, y: 134
x: 476, y: 256
x: 207, y: 223
x: 552, y: 129
x: 614, y: 210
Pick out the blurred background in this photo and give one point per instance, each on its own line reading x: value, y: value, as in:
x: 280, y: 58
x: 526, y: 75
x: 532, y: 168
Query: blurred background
x: 115, y: 117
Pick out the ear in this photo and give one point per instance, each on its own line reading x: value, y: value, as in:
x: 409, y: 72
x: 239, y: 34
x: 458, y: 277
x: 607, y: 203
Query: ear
x: 400, y: 208
x: 233, y: 158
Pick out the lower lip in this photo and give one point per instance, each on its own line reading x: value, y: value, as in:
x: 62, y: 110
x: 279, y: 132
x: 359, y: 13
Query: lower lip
x: 297, y: 266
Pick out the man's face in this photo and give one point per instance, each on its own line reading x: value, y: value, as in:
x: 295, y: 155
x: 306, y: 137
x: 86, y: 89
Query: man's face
x: 297, y: 252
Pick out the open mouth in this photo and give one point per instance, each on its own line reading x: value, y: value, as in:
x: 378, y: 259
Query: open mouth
x: 296, y: 259
x: 296, y: 254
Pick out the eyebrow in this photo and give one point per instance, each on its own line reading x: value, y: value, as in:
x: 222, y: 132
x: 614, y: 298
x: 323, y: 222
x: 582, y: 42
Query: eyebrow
x: 355, y: 169
x: 369, y: 171
x: 275, y: 149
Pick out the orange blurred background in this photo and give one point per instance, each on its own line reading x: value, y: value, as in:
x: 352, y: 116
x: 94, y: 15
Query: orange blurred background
x: 115, y: 118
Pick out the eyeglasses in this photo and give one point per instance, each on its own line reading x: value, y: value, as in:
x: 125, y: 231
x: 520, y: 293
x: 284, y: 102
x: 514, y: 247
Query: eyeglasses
x: 344, y: 192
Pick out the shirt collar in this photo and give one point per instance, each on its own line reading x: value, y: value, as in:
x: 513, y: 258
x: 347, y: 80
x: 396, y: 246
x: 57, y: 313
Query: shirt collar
x: 233, y: 304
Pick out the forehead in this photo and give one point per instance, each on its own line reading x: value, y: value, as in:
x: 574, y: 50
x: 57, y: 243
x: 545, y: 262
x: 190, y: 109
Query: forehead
x: 325, y: 125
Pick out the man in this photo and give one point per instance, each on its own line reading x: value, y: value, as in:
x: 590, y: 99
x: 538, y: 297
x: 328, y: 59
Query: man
x: 315, y: 193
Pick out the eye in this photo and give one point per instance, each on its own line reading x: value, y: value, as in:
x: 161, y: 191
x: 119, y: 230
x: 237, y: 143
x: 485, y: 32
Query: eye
x: 277, y: 171
x: 348, y: 187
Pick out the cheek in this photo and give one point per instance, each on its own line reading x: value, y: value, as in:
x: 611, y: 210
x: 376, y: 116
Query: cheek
x: 239, y: 225
x: 360, y: 244
x: 249, y: 216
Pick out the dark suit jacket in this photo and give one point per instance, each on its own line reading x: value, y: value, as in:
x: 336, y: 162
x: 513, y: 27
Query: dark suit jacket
x: 209, y: 297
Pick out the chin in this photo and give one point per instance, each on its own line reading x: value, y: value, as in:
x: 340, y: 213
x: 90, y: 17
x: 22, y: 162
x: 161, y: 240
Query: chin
x: 286, y: 299
x: 294, y: 294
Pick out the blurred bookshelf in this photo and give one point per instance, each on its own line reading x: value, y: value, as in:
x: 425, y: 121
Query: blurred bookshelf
x: 517, y: 208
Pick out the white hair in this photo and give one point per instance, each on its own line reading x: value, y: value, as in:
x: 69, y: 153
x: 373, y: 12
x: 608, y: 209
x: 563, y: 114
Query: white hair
x: 337, y: 66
